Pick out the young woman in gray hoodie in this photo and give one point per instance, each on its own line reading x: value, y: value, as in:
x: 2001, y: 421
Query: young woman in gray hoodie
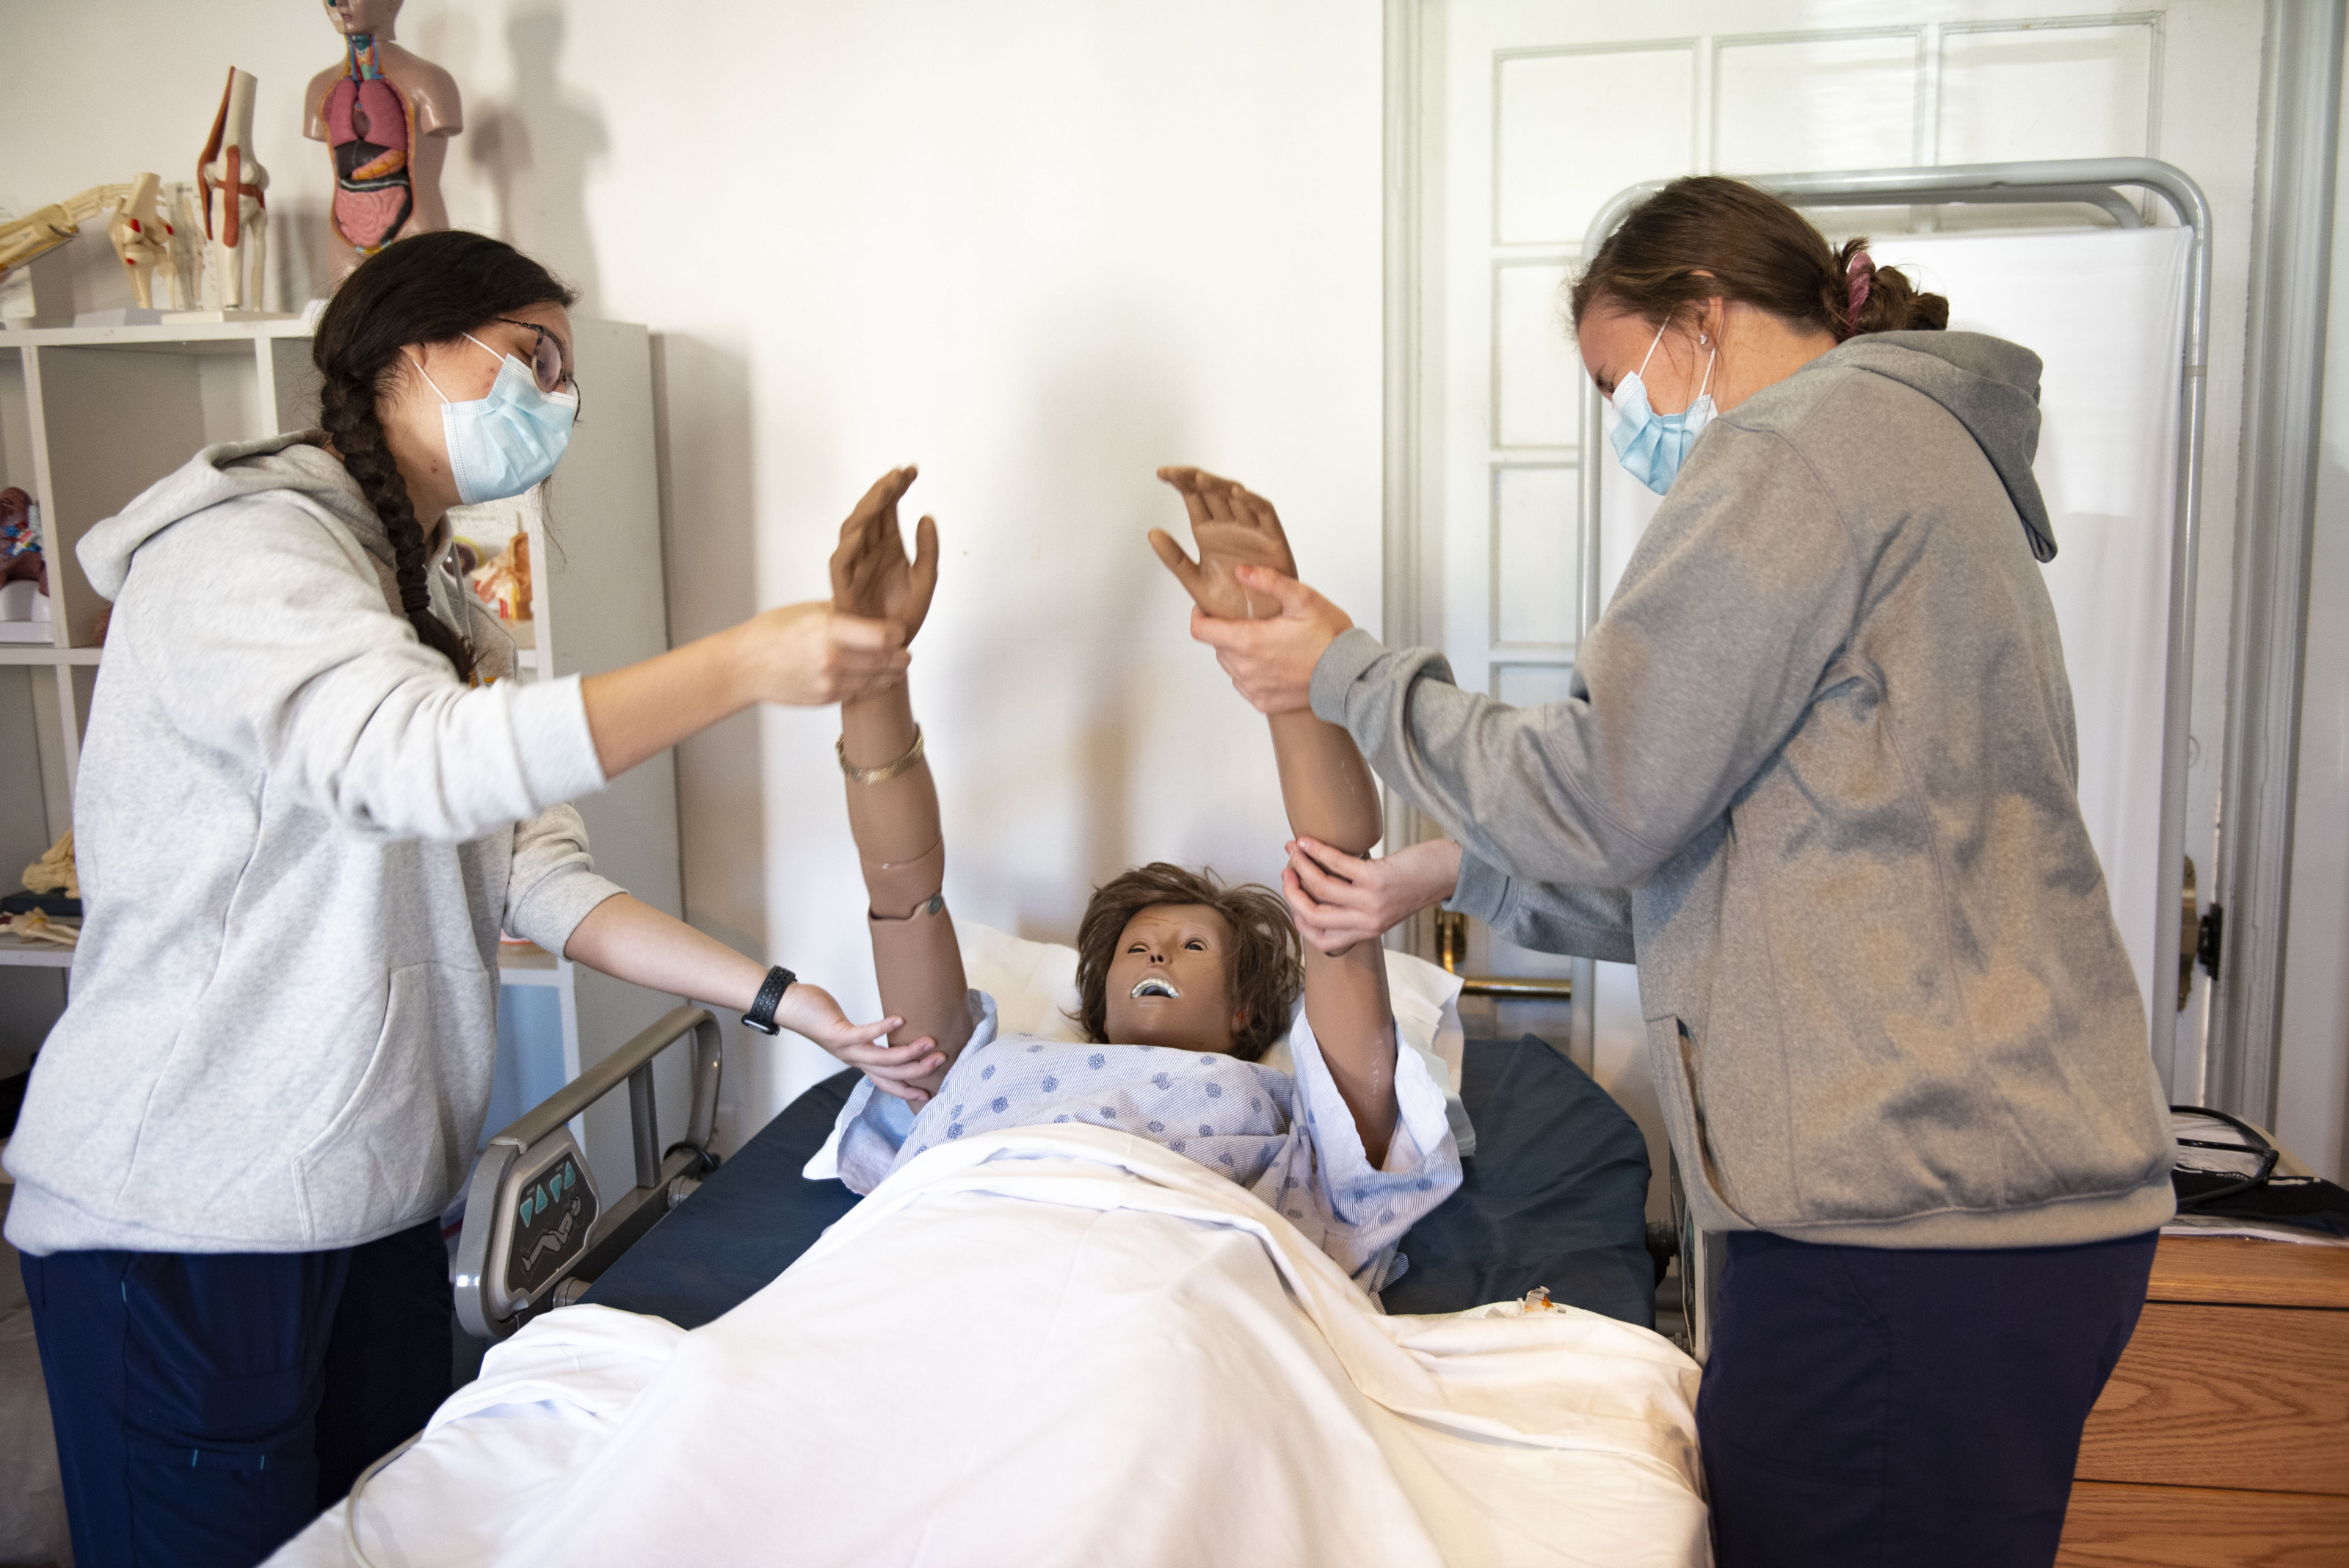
x: 310, y: 796
x: 1817, y: 776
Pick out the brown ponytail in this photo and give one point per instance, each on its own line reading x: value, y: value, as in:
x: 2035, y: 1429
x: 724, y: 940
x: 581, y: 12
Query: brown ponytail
x: 429, y: 288
x: 1706, y: 237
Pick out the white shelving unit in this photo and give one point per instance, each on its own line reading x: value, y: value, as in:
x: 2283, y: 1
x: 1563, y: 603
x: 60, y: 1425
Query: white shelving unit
x: 91, y: 417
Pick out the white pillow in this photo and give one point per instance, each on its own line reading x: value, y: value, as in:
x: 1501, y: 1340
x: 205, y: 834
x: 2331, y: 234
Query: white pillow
x: 1035, y: 989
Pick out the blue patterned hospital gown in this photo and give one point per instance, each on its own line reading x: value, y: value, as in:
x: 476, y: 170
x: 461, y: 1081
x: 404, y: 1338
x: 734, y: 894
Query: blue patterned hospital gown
x: 1230, y: 1116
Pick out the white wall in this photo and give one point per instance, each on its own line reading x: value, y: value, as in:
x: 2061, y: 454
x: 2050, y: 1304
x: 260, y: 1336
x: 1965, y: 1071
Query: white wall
x: 2312, y: 1073
x: 1040, y: 248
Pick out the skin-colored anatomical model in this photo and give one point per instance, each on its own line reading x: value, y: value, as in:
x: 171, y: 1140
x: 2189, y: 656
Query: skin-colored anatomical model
x: 387, y: 116
x: 1325, y: 784
x: 231, y: 181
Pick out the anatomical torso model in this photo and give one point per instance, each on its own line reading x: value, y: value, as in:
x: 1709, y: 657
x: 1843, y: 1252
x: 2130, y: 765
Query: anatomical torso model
x: 387, y: 116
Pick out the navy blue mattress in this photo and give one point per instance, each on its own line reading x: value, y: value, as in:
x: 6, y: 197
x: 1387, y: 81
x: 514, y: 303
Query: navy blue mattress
x: 1555, y: 1195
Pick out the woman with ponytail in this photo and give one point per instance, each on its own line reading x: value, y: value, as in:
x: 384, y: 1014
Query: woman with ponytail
x: 309, y: 799
x: 1817, y: 776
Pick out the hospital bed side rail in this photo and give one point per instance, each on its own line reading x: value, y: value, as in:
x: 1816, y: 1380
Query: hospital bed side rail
x: 536, y: 1232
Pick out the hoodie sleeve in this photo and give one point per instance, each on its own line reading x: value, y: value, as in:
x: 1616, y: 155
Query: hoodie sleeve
x: 264, y: 628
x: 1737, y: 597
x: 1548, y: 917
x: 552, y: 884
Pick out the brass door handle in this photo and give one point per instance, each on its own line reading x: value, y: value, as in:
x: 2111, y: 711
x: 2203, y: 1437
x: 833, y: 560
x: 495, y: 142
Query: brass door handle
x: 1452, y: 944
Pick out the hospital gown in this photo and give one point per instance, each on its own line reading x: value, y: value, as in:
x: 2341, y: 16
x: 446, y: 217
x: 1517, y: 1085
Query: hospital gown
x: 1289, y: 1140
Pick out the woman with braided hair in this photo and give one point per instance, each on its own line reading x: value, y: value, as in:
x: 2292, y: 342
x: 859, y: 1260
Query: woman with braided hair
x: 1816, y: 776
x: 309, y: 799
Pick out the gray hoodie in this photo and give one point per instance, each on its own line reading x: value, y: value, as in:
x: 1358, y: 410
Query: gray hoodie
x: 1823, y: 738
x: 298, y: 834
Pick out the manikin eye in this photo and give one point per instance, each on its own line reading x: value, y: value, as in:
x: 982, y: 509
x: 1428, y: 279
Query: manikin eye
x: 1196, y: 945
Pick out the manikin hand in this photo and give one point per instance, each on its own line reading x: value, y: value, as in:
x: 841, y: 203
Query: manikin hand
x: 1233, y: 528
x: 871, y: 576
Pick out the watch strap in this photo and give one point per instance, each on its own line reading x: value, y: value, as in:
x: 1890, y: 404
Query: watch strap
x: 761, y: 1016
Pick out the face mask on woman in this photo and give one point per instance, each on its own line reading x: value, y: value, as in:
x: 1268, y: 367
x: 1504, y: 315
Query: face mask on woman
x: 1653, y: 446
x: 502, y: 444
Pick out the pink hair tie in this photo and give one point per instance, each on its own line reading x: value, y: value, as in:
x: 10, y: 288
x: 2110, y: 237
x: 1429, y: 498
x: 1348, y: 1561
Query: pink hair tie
x: 1861, y: 272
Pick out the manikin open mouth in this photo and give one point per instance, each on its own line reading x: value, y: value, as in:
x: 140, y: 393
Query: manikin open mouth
x: 1154, y: 985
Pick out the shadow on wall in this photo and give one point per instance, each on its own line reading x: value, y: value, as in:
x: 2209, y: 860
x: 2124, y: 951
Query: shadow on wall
x: 535, y: 150
x: 301, y: 247
x: 1071, y: 568
x: 702, y: 452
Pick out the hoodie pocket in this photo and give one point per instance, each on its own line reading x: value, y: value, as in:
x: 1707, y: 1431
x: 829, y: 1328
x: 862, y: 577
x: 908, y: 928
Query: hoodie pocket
x: 1674, y: 1064
x: 394, y: 1152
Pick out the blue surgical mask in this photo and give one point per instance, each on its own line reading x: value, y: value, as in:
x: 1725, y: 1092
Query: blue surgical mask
x: 502, y: 444
x: 1653, y: 446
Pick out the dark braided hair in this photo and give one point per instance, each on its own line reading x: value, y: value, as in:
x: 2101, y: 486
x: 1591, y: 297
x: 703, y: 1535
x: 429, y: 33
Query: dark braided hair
x: 1706, y: 237
x: 429, y: 288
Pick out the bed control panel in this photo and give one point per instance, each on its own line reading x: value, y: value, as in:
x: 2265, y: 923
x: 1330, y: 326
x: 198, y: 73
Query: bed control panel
x: 537, y: 1233
x: 551, y: 1219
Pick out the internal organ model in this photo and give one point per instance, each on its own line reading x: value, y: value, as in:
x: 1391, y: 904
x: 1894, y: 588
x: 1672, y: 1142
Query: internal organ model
x: 232, y: 179
x: 386, y: 116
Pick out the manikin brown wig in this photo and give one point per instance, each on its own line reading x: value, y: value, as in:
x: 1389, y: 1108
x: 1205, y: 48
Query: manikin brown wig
x: 1264, y: 970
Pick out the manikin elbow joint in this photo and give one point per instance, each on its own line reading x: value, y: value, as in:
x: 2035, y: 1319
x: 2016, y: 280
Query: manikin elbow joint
x: 901, y: 890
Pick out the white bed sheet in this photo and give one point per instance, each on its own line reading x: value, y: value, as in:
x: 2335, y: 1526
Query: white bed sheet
x: 1054, y: 1345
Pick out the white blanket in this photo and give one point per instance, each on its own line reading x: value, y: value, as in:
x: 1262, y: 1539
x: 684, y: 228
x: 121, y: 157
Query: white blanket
x: 1053, y: 1346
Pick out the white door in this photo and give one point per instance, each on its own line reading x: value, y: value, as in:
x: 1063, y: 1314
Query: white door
x: 1531, y: 114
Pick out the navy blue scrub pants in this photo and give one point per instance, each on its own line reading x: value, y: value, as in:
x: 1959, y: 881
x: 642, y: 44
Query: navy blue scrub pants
x: 208, y: 1405
x: 1865, y: 1405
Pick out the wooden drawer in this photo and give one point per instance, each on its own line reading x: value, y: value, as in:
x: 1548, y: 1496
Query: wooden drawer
x: 2255, y: 1398
x: 2111, y: 1526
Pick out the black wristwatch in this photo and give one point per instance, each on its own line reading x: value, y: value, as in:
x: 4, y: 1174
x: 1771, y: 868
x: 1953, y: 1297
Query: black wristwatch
x: 761, y: 1016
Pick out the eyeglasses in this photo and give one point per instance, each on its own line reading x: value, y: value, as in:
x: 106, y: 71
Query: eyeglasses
x: 545, y: 358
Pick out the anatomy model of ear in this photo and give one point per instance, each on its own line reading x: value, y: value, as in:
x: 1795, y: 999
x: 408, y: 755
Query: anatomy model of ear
x: 385, y: 117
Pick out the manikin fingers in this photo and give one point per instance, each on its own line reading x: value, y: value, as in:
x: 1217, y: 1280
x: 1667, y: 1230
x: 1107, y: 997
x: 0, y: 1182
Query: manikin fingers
x: 1186, y: 482
x: 1186, y: 570
x: 901, y: 889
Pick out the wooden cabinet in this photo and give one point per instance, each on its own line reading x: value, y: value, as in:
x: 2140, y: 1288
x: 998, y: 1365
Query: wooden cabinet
x: 2223, y: 1436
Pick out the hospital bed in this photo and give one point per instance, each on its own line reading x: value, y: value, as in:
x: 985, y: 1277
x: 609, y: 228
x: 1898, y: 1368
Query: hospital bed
x: 741, y: 1350
x: 1554, y: 1196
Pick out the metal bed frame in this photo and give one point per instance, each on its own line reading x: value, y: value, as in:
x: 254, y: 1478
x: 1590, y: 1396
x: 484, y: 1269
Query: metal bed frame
x: 2094, y: 182
x: 536, y: 1232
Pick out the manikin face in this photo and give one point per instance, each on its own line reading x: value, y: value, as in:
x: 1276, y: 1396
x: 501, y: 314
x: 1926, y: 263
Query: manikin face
x: 1170, y: 980
x: 375, y: 17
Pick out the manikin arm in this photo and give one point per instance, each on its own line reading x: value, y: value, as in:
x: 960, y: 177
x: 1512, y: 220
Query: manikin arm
x: 1327, y: 788
x: 894, y: 818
